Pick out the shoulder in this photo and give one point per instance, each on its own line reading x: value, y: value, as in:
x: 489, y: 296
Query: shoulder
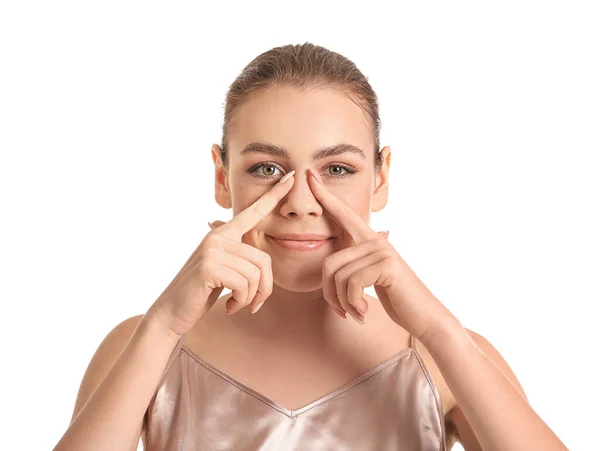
x: 115, y: 341
x: 103, y: 358
x: 117, y: 338
x: 124, y: 329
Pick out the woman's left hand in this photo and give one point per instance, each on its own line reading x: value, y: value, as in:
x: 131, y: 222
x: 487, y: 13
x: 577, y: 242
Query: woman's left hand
x: 372, y: 260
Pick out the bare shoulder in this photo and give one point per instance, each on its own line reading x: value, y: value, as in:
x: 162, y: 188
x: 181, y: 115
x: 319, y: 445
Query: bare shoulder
x: 104, y: 357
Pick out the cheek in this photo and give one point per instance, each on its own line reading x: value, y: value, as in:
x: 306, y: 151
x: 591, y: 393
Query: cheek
x: 359, y: 199
x: 245, y: 196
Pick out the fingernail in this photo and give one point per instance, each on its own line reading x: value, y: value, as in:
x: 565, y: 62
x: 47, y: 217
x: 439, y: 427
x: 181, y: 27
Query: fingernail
x: 341, y: 313
x: 316, y: 176
x: 360, y: 312
x: 287, y: 176
x: 359, y: 321
x: 257, y: 307
x: 210, y: 225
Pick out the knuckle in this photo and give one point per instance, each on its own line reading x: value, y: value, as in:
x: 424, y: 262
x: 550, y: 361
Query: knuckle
x: 210, y: 251
x: 339, y: 276
x: 256, y: 273
x: 267, y: 259
x: 269, y: 290
x: 328, y: 261
x: 211, y: 237
x: 245, y: 286
x: 212, y: 243
x: 204, y: 267
x: 344, y: 303
x: 351, y: 283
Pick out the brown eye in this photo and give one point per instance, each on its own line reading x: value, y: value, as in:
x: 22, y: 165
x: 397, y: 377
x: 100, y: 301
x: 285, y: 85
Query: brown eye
x: 337, y: 171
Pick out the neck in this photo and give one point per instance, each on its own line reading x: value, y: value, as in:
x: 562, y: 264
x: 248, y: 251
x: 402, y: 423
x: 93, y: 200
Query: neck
x: 294, y: 315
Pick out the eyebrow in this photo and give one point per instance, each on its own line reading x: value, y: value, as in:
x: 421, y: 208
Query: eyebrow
x: 325, y: 152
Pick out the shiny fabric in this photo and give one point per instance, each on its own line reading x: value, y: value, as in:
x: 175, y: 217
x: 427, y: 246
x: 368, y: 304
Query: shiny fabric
x: 393, y: 407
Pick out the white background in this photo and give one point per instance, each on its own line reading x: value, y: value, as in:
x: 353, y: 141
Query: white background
x: 108, y: 111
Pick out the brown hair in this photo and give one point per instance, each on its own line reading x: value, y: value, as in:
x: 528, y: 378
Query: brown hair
x: 303, y: 65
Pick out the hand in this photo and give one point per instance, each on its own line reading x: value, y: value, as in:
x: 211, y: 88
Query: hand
x: 222, y: 260
x: 372, y: 260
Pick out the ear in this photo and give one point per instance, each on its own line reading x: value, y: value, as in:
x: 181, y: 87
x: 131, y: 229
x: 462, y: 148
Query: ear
x: 380, y: 189
x: 222, y: 192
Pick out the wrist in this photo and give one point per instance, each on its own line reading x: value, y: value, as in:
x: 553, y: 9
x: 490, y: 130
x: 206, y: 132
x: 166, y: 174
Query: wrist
x: 443, y: 333
x: 157, y: 320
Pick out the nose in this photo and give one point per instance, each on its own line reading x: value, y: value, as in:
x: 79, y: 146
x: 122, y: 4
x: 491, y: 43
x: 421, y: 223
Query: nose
x: 300, y: 200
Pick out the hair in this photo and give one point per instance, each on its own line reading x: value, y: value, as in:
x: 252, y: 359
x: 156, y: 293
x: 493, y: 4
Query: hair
x: 303, y: 66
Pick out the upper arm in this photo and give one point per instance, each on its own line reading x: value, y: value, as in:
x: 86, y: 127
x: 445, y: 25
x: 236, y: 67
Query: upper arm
x: 102, y: 361
x: 465, y: 433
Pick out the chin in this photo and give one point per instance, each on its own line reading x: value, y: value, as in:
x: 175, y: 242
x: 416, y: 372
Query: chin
x: 300, y: 275
x: 298, y: 285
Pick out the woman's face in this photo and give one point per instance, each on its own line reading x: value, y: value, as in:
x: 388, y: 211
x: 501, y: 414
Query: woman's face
x: 302, y: 123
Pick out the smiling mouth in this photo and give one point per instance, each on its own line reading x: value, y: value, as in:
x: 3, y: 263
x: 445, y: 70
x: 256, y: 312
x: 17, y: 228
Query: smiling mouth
x: 300, y: 244
x: 302, y: 237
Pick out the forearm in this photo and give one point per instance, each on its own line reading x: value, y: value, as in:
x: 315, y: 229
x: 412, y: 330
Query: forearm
x: 111, y: 418
x: 500, y: 417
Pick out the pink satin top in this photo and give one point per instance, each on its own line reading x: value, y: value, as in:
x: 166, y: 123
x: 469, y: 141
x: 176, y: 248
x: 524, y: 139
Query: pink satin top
x: 394, y: 406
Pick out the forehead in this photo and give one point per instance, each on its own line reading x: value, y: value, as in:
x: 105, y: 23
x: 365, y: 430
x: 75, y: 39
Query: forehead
x: 300, y: 119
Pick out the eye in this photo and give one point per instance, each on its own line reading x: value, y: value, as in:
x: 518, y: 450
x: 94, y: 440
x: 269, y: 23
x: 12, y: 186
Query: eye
x: 340, y: 168
x: 269, y: 173
x: 259, y: 170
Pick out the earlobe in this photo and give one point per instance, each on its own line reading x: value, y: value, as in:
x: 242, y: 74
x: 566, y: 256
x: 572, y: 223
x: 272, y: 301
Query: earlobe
x: 380, y: 191
x: 379, y: 199
x: 222, y: 193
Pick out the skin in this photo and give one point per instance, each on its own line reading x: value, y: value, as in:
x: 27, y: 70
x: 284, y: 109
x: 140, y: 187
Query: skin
x: 297, y: 332
x: 282, y: 116
x: 485, y: 406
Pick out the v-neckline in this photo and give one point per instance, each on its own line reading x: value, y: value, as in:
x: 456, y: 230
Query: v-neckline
x: 293, y: 413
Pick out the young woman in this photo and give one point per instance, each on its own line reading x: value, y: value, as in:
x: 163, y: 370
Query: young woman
x: 276, y: 364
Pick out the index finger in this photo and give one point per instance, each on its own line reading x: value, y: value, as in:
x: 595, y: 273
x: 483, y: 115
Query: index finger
x: 246, y: 219
x: 343, y: 213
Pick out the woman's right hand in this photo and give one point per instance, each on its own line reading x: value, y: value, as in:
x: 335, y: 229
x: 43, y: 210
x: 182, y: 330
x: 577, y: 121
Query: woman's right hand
x: 223, y: 261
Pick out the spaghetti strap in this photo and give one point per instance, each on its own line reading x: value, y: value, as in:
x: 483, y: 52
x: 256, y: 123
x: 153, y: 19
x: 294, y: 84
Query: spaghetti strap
x: 413, y: 345
x: 436, y: 393
x: 412, y: 342
x: 198, y: 403
x: 174, y: 354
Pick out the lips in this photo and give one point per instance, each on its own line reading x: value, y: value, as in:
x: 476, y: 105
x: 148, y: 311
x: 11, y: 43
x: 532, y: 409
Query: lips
x: 302, y: 236
x: 300, y: 242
